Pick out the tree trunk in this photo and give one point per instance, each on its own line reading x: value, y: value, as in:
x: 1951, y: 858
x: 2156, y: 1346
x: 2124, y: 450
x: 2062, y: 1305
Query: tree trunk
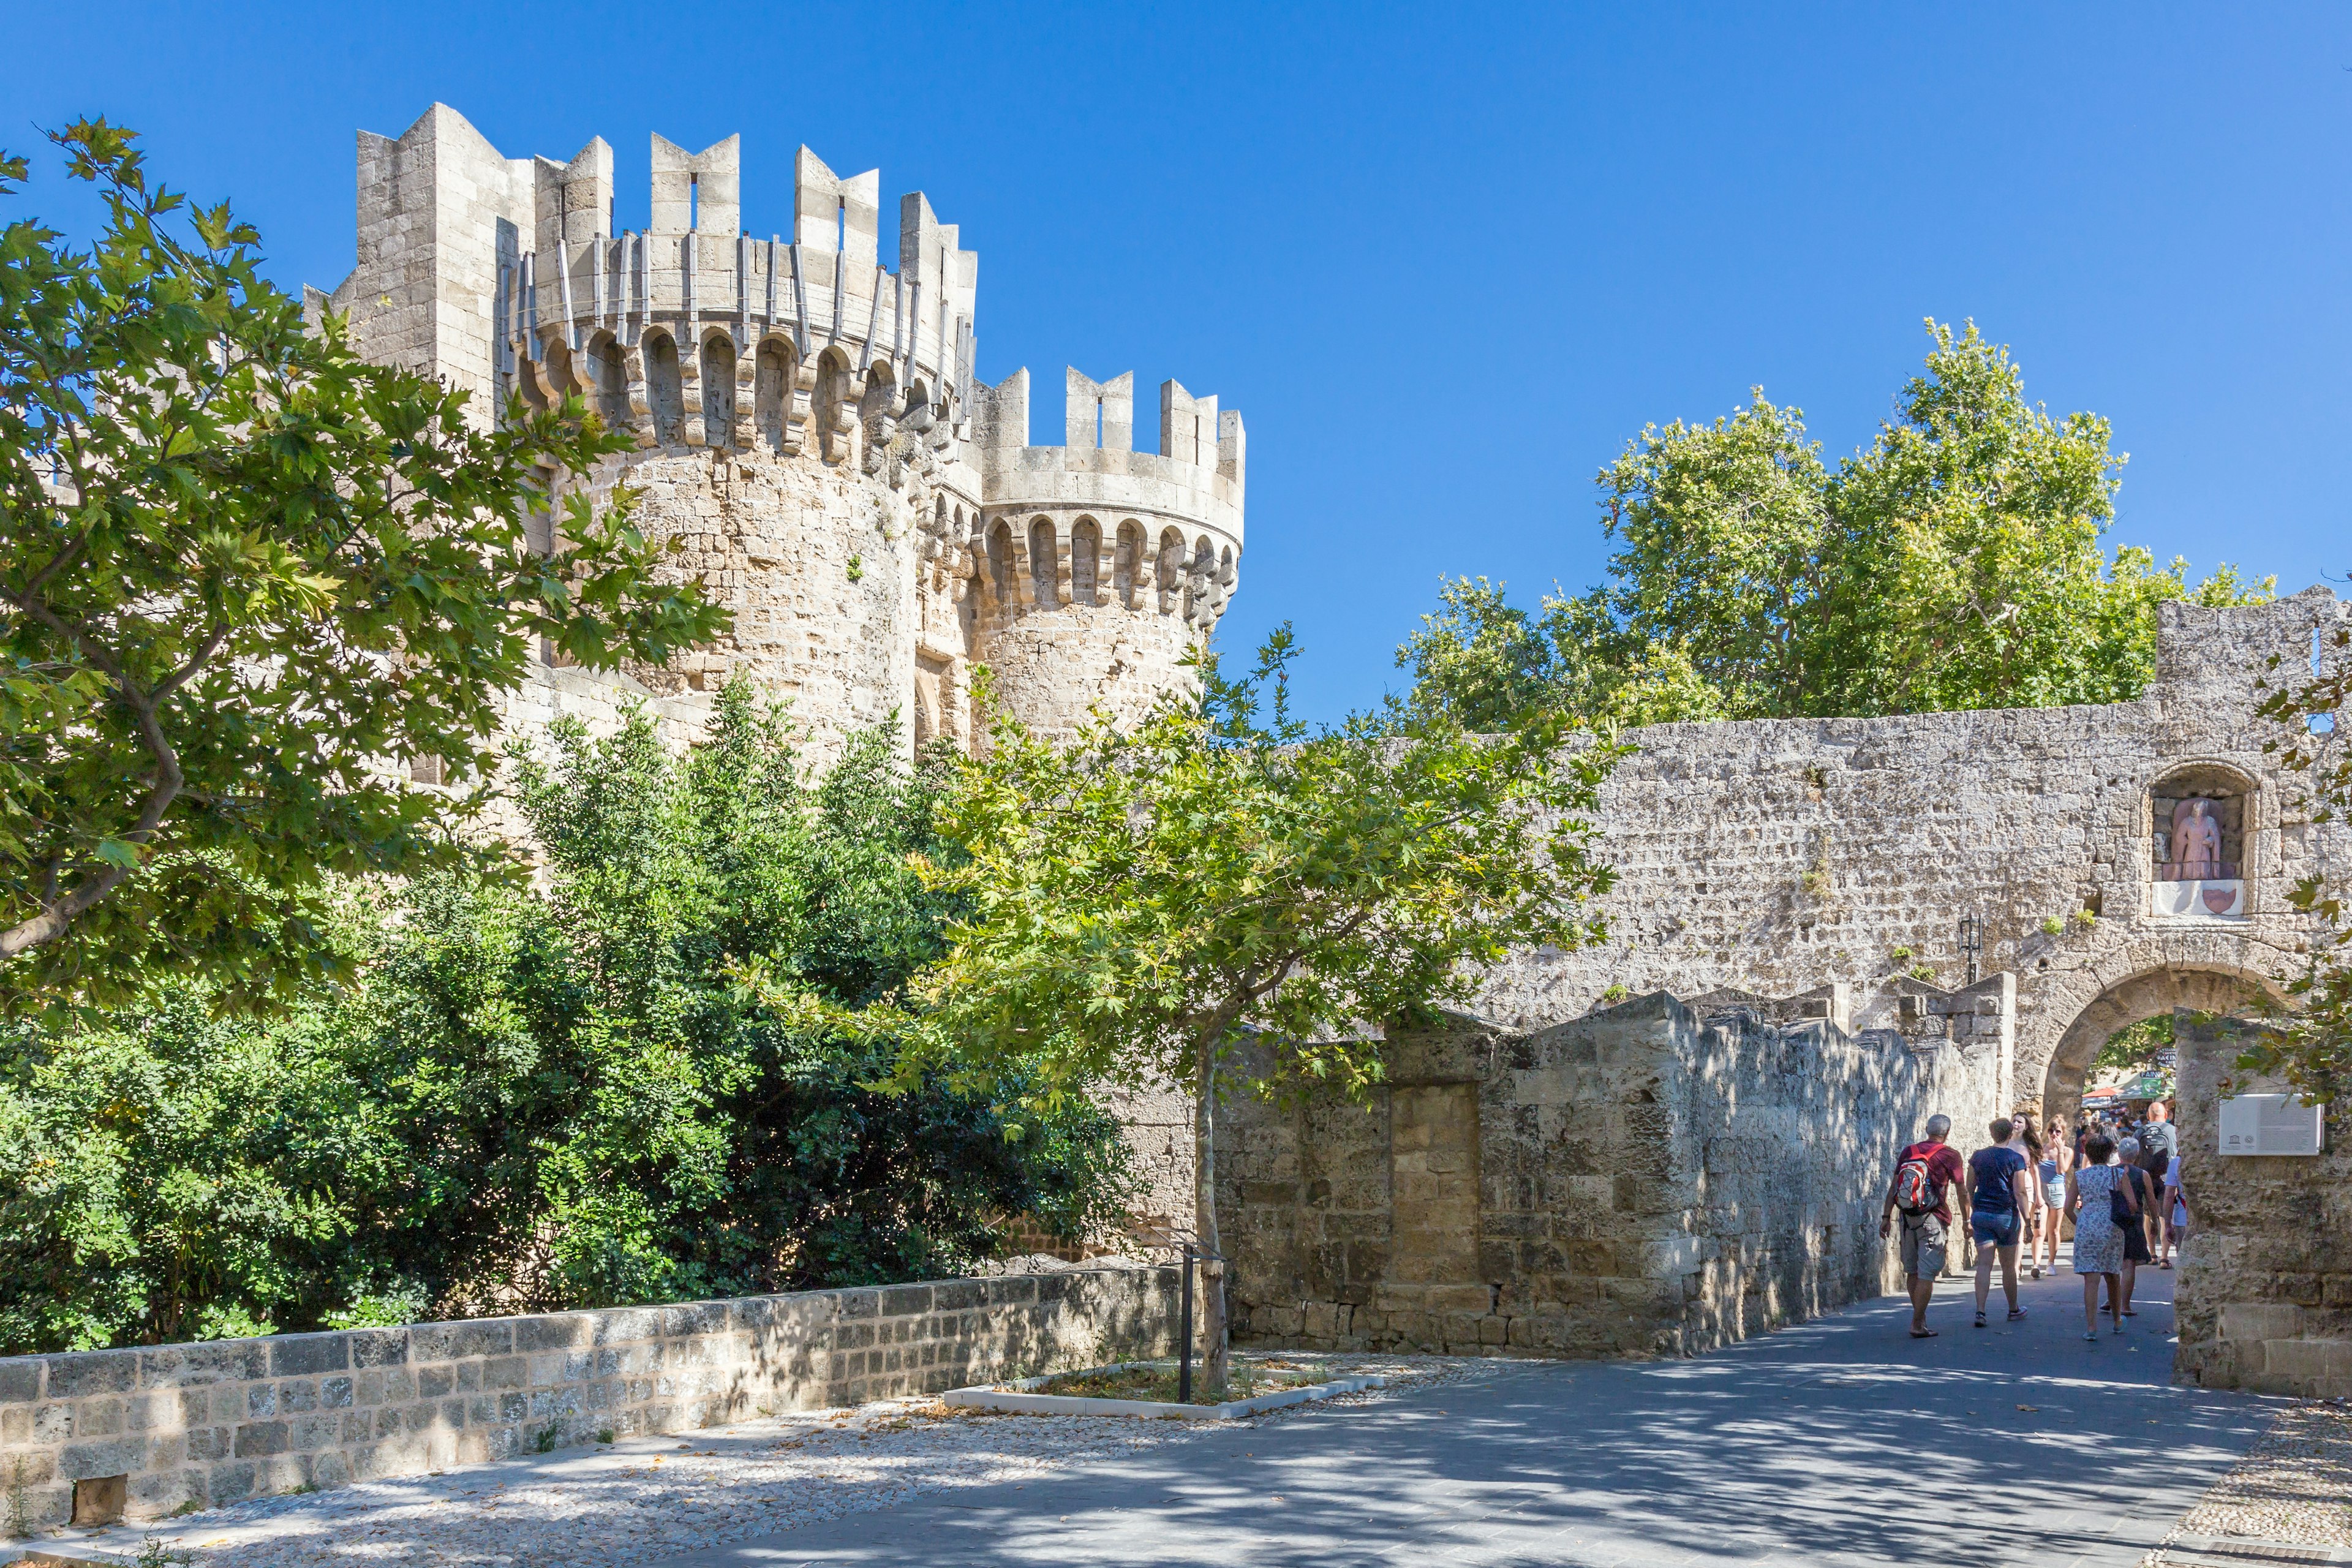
x: 1212, y: 1327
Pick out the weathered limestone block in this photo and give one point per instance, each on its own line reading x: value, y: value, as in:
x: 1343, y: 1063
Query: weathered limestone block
x: 1640, y: 1181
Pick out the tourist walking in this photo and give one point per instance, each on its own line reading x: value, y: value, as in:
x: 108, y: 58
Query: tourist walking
x: 2057, y: 1159
x: 2176, y: 1212
x: 2159, y: 1146
x: 2098, y: 1199
x: 2137, y: 1248
x: 1923, y: 1171
x: 2027, y: 1144
x: 2001, y: 1197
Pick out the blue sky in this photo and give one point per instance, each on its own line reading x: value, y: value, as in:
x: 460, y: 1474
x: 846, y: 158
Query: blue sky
x: 1445, y: 260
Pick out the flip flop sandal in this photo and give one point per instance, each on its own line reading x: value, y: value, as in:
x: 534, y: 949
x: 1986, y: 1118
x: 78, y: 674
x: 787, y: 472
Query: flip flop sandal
x: 2016, y: 1314
x: 1925, y: 1333
x: 1981, y: 1323
x: 2093, y: 1337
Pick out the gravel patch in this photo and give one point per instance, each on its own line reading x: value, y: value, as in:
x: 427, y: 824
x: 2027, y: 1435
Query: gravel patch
x: 648, y: 1496
x: 2293, y: 1486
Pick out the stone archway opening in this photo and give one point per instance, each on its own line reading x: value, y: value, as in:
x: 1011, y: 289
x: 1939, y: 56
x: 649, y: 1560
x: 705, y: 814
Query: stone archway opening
x: 2153, y: 993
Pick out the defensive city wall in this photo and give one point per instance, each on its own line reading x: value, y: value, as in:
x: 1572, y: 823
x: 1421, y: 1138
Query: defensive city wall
x: 1839, y: 857
x: 1651, y: 1179
x: 1870, y: 920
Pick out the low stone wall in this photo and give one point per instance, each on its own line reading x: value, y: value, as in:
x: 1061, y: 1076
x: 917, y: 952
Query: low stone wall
x: 1640, y: 1181
x: 215, y: 1422
x: 2265, y: 1295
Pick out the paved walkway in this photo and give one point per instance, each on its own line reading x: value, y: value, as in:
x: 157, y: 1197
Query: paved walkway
x: 1840, y: 1442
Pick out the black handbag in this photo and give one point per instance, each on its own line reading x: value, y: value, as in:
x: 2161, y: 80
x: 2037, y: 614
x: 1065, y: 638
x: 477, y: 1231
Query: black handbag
x: 2121, y: 1208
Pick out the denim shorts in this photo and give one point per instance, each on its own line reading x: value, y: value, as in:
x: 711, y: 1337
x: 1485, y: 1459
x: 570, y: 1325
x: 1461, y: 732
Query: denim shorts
x: 1993, y: 1229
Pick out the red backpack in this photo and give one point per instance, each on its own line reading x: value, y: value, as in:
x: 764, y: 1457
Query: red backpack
x: 1914, y: 1181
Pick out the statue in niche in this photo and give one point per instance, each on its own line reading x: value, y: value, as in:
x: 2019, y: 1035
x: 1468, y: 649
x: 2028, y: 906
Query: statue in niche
x: 2195, y: 848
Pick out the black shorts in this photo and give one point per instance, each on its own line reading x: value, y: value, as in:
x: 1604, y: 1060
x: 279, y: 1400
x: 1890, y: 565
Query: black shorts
x: 2136, y: 1243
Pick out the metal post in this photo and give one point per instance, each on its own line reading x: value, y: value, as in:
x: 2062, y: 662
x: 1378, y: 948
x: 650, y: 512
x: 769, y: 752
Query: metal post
x: 1972, y: 944
x: 1184, y: 1336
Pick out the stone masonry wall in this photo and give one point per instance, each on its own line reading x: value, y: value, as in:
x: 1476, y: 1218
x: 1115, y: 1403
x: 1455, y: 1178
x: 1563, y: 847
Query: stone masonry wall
x: 219, y: 1421
x: 1781, y: 856
x: 2265, y: 1296
x: 1640, y: 1181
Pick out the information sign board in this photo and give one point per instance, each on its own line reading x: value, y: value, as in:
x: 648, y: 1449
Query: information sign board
x: 2272, y: 1124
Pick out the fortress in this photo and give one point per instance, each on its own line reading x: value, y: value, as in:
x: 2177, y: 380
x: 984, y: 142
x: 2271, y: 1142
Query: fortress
x: 1823, y: 930
x: 807, y: 422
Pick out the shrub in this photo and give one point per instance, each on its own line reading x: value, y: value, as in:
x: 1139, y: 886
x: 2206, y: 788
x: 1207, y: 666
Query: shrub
x: 536, y: 1098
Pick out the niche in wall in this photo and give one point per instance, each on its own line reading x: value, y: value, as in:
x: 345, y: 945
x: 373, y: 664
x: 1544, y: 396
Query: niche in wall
x: 2197, y: 841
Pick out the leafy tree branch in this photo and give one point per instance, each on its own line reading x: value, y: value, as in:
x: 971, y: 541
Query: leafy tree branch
x: 245, y: 579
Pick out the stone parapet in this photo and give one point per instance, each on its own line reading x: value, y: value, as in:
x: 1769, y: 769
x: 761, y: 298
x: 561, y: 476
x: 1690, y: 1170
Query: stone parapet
x: 214, y: 1423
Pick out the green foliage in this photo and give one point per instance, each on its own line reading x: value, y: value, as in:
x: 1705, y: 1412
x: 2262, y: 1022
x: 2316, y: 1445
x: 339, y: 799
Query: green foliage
x: 1141, y: 901
x: 1955, y: 563
x: 533, y: 1099
x: 239, y: 569
x: 1145, y: 901
x: 177, y: 1176
x: 2133, y: 1048
x: 2311, y: 1046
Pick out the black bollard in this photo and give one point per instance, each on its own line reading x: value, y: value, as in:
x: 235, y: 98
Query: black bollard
x: 1184, y: 1336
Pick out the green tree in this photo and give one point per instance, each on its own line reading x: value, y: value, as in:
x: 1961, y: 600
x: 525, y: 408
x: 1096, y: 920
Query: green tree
x: 2311, y: 1046
x: 240, y: 572
x: 1145, y: 900
x: 2135, y: 1048
x: 183, y: 1179
x: 1955, y: 563
x: 530, y: 1098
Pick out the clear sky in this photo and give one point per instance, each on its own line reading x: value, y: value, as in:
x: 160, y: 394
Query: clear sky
x: 1445, y: 260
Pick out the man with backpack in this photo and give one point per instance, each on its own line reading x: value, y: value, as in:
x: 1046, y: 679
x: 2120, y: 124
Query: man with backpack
x: 2158, y: 1142
x: 1923, y: 1171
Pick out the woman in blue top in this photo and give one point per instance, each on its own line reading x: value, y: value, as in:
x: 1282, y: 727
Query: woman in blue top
x: 2000, y: 1197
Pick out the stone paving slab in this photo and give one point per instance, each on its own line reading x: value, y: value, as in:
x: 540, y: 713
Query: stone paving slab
x: 1840, y: 1442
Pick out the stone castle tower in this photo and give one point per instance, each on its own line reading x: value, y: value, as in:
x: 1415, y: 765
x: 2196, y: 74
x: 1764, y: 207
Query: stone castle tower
x: 807, y: 422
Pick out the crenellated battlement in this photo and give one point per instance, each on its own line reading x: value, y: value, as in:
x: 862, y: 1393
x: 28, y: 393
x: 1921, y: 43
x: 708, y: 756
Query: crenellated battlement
x: 1170, y: 520
x: 808, y: 424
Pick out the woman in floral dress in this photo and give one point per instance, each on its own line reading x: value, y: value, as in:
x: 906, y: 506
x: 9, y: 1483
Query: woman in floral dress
x: 2098, y: 1245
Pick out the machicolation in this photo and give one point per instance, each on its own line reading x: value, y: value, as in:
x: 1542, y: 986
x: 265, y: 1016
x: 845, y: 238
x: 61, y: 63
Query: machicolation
x: 808, y: 421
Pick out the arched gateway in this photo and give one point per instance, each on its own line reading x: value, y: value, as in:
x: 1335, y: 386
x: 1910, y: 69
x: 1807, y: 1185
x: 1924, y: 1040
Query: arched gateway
x: 1823, y: 933
x: 2182, y: 976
